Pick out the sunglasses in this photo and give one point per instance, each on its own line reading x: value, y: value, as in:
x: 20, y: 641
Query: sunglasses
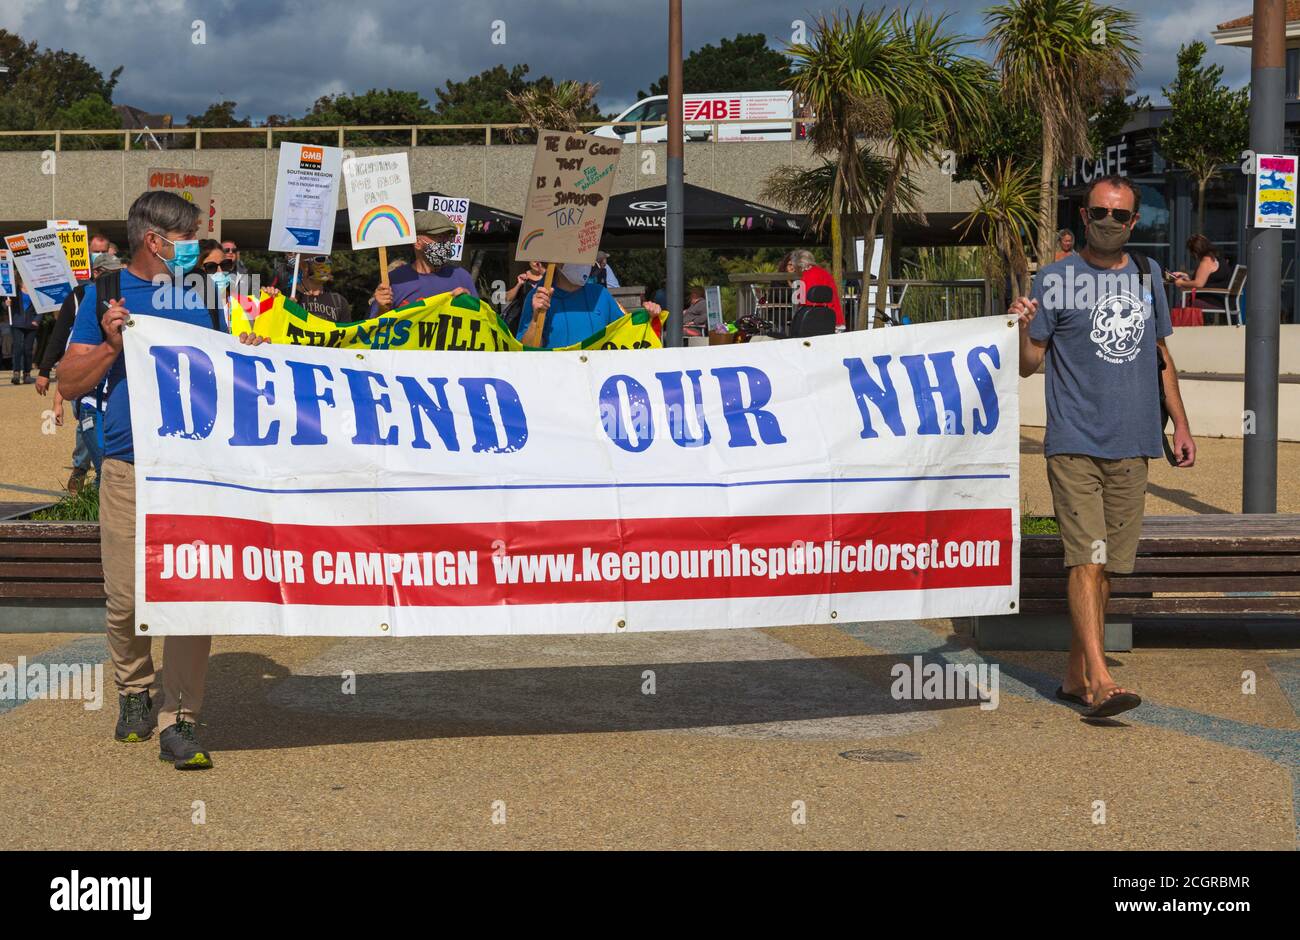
x: 212, y: 267
x: 1097, y: 213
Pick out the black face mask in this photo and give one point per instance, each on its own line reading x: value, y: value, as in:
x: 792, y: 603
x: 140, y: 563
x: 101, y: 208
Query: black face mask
x: 1107, y: 236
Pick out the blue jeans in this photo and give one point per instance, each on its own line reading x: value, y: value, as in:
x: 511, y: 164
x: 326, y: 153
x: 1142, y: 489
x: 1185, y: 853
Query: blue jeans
x: 24, y: 348
x: 87, y: 451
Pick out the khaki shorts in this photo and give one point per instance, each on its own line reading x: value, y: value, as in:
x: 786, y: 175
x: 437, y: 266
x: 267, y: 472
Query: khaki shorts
x: 1099, y: 505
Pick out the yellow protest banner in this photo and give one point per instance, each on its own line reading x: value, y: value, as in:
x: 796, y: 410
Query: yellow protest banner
x: 76, y: 245
x: 435, y: 323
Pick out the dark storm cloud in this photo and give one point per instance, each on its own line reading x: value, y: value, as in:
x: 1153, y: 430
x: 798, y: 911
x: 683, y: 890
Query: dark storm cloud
x: 278, y: 57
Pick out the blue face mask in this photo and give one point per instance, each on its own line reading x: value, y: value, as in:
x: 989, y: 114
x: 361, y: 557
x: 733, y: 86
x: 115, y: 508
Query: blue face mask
x: 221, y: 279
x: 184, y: 256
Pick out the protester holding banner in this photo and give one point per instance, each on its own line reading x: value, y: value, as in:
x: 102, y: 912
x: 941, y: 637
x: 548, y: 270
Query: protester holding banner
x: 1100, y: 325
x: 23, y: 323
x: 431, y: 272
x: 162, y: 230
x: 313, y: 296
x: 571, y: 311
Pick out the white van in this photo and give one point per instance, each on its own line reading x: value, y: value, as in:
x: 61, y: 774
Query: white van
x: 765, y: 115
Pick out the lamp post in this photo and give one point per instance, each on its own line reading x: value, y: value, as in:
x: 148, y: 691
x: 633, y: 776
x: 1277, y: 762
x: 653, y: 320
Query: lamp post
x: 674, y: 237
x: 1264, y: 261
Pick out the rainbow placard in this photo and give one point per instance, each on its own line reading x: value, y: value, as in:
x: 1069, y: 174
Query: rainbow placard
x: 378, y: 190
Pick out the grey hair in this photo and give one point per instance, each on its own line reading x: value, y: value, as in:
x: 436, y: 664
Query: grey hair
x: 159, y: 211
x: 803, y: 259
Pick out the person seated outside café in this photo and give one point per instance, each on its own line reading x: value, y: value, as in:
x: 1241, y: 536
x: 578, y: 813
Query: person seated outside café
x: 571, y: 310
x: 813, y: 275
x: 1064, y: 244
x: 695, y: 318
x: 431, y: 271
x: 1208, y: 270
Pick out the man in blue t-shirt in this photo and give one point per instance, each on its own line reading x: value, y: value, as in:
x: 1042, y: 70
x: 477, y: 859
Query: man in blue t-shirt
x: 1098, y: 319
x: 431, y: 272
x: 162, y: 228
x: 570, y: 311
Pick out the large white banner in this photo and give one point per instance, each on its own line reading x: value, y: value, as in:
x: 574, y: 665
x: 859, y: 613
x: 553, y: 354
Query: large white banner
x: 309, y: 491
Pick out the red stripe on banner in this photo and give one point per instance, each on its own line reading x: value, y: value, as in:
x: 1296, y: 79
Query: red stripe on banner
x: 573, y: 561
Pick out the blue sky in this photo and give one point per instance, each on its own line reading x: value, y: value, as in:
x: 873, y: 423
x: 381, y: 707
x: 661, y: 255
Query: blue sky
x: 278, y: 57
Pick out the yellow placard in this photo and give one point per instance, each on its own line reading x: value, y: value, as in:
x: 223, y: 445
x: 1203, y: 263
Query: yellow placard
x: 436, y: 323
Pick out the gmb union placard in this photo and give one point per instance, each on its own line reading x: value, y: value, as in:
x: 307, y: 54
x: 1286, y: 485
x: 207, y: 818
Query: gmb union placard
x: 312, y: 491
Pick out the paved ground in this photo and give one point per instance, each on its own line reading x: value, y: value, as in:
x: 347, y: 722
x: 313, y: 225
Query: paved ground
x: 745, y: 731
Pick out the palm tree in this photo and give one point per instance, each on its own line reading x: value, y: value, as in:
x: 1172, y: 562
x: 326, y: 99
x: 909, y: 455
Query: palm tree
x: 554, y: 107
x: 1061, y: 58
x: 811, y: 190
x: 848, y: 73
x: 1006, y: 211
x: 946, y: 102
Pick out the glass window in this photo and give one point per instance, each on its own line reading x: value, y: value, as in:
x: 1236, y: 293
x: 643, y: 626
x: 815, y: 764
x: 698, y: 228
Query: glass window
x: 1292, y: 74
x: 656, y: 111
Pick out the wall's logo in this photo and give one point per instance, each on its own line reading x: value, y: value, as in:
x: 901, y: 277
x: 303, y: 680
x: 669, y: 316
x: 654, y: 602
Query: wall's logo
x: 647, y: 206
x: 1118, y: 322
x: 312, y: 158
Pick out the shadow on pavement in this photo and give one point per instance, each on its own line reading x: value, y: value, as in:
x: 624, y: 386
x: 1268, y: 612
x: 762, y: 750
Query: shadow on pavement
x: 253, y: 703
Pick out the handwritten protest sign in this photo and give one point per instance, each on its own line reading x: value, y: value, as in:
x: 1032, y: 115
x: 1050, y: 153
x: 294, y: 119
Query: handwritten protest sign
x: 196, y: 186
x: 568, y: 195
x: 379, y: 201
x: 455, y: 208
x: 306, y: 198
x: 43, y: 264
x: 76, y: 245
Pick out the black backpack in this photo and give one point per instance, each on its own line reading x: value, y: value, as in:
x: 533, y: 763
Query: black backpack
x: 108, y: 286
x: 1143, y: 264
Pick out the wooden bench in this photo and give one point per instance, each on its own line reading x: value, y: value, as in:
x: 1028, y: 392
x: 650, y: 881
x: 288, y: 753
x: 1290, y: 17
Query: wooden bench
x: 50, y: 564
x: 1208, y: 564
x: 1187, y: 565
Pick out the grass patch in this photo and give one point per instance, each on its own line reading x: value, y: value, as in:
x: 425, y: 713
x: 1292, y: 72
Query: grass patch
x: 1039, y: 525
x: 82, y: 507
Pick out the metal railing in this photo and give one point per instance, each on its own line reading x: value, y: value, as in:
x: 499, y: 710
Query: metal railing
x: 771, y: 297
x: 412, y: 132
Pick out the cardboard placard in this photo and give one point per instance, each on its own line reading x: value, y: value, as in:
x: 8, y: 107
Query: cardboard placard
x: 76, y: 245
x: 306, y: 198
x: 44, y: 266
x: 568, y: 196
x: 455, y: 208
x: 196, y: 186
x: 378, y: 190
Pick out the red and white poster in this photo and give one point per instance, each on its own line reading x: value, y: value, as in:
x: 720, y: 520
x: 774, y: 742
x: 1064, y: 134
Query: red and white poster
x: 311, y: 491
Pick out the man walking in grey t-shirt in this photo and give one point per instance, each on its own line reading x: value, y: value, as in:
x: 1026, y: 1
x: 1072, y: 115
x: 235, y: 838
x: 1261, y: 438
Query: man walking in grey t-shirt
x: 1097, y: 319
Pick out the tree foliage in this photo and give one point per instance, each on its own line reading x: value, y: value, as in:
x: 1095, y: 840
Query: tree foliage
x: 1209, y: 124
x: 745, y: 63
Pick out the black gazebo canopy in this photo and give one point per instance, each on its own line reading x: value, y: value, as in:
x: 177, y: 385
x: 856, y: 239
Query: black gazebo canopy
x: 712, y: 220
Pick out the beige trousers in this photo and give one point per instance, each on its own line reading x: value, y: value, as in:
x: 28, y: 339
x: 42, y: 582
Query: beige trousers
x: 185, y: 658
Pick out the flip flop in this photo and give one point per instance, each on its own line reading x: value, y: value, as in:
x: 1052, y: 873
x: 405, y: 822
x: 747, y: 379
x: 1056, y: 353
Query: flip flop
x: 1117, y: 702
x: 1070, y: 697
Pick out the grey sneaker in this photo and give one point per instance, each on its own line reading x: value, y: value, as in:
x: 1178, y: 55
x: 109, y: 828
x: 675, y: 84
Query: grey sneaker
x: 182, y: 749
x: 135, y: 718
